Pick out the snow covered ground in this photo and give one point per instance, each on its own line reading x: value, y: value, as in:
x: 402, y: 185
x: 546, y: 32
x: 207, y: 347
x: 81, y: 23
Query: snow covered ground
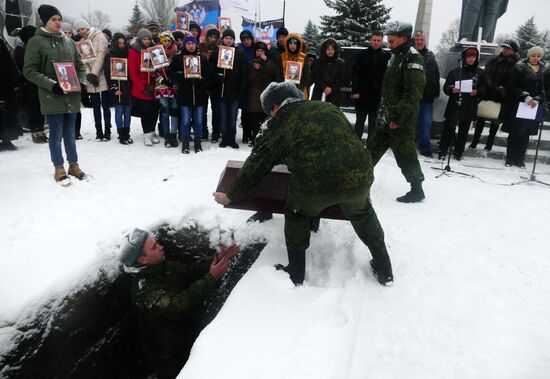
x: 471, y: 297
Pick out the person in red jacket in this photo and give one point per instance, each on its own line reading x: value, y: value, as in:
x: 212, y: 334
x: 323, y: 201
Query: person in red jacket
x: 144, y: 104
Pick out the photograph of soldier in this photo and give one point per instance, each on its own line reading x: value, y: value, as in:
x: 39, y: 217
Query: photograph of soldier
x: 119, y: 69
x: 182, y: 20
x: 224, y: 23
x: 401, y: 95
x: 226, y: 57
x: 158, y: 57
x: 67, y: 77
x: 293, y: 72
x: 192, y: 67
x: 86, y: 50
x: 146, y: 62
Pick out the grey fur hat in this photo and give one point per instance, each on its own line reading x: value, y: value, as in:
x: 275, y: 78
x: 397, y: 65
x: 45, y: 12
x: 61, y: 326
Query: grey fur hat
x: 399, y: 28
x: 132, y: 247
x: 144, y: 33
x: 276, y: 93
x: 534, y: 51
x: 81, y: 24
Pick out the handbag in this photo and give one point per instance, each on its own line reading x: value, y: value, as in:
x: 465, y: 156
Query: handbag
x: 488, y: 109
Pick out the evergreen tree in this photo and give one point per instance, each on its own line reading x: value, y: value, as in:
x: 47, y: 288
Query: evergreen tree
x: 136, y: 21
x: 528, y: 36
x: 355, y: 20
x: 312, y: 36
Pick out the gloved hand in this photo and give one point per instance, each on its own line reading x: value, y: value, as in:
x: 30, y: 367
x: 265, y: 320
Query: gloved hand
x: 56, y: 89
x: 93, y: 79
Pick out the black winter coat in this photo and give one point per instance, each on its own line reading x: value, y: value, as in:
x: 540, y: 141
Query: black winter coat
x: 468, y: 109
x: 10, y: 78
x: 328, y: 72
x: 494, y: 81
x: 258, y: 80
x: 431, y: 90
x: 525, y: 82
x: 192, y: 92
x: 368, y: 72
x: 124, y: 85
x: 30, y: 90
x: 229, y: 84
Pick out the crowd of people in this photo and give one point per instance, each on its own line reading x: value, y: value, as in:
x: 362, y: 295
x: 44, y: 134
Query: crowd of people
x: 173, y: 106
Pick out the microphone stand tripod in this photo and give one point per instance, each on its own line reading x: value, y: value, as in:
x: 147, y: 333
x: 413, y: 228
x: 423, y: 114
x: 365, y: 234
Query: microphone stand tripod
x: 445, y: 171
x: 532, y: 178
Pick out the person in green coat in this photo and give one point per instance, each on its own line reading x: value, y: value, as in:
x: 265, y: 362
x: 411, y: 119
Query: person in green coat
x: 328, y: 166
x: 50, y: 45
x: 165, y: 292
x: 402, y: 91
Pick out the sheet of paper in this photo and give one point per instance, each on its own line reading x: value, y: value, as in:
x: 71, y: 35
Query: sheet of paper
x: 525, y: 111
x: 466, y: 86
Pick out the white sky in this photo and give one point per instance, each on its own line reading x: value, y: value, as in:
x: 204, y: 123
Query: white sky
x: 299, y: 11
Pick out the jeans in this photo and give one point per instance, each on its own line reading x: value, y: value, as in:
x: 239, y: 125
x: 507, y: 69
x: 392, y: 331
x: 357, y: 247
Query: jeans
x: 425, y: 116
x: 228, y: 110
x: 186, y: 114
x: 123, y: 116
x: 101, y: 100
x: 62, y: 126
x: 168, y: 115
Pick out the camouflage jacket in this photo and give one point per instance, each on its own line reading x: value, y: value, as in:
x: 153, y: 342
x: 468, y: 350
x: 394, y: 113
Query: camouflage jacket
x: 402, y: 87
x: 317, y: 143
x: 162, y: 296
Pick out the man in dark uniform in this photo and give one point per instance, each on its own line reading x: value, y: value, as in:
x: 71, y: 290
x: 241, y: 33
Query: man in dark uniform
x: 368, y: 71
x: 328, y: 166
x: 402, y: 90
x: 163, y: 293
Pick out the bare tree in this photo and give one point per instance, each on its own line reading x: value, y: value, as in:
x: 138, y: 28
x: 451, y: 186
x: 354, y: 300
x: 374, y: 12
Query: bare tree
x: 448, y: 40
x: 161, y: 11
x: 97, y: 19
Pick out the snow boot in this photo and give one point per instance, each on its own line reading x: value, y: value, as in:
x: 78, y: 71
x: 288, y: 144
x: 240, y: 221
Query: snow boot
x: 148, y: 139
x: 107, y: 133
x: 174, y: 140
x: 415, y: 195
x: 185, y: 146
x: 60, y: 176
x: 128, y: 138
x: 6, y: 145
x: 74, y: 170
x: 381, y: 266
x: 168, y: 140
x: 233, y: 145
x: 296, y: 267
x: 122, y: 136
x: 39, y: 137
x: 198, y: 147
x: 260, y: 217
x: 98, y: 133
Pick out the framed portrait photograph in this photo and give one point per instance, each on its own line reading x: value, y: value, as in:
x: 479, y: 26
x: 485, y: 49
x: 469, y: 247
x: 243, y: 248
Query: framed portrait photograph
x: 226, y: 57
x: 86, y: 51
x: 146, y: 61
x: 191, y: 66
x: 67, y: 76
x: 119, y: 68
x: 182, y: 20
x: 158, y: 57
x: 293, y: 72
x: 224, y: 23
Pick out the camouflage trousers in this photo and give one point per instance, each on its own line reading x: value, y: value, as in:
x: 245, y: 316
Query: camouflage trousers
x: 401, y: 142
x: 301, y: 208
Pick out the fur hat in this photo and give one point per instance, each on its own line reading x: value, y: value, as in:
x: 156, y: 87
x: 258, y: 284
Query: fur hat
x: 81, y: 24
x: 144, y: 33
x: 276, y: 93
x: 228, y: 33
x: 511, y: 44
x: 131, y: 247
x: 399, y: 28
x: 213, y: 32
x: 281, y: 32
x: 46, y: 12
x: 535, y: 50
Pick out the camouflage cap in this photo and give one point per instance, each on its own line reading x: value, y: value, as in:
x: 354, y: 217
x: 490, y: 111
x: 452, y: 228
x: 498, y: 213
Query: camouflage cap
x: 276, y: 93
x: 132, y: 246
x: 399, y: 28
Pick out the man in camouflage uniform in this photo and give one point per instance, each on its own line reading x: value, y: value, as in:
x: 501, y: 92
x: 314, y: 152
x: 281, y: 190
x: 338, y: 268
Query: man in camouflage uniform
x: 402, y: 90
x: 163, y: 293
x: 329, y: 166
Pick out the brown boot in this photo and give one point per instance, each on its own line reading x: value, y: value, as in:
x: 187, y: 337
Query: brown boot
x: 75, y: 171
x: 60, y: 176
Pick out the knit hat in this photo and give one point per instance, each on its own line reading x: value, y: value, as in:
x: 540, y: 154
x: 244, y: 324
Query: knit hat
x: 213, y: 32
x: 65, y: 26
x: 246, y: 34
x: 276, y: 93
x: 228, y: 33
x: 189, y: 38
x: 46, y: 12
x: 511, y: 44
x: 144, y: 33
x: 260, y: 46
x: 131, y: 247
x: 81, y: 24
x: 281, y: 32
x: 153, y: 25
x: 535, y: 50
x: 166, y: 35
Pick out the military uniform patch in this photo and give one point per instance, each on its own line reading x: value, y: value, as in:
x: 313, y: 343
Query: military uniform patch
x: 415, y: 66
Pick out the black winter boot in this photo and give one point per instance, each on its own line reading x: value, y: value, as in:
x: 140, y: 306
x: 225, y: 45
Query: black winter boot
x: 185, y: 146
x: 107, y: 133
x: 174, y: 140
x: 198, y: 146
x: 167, y: 140
x: 296, y: 266
x: 122, y: 136
x: 415, y: 195
x: 381, y: 266
x: 98, y: 133
x: 128, y: 138
x: 260, y: 217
